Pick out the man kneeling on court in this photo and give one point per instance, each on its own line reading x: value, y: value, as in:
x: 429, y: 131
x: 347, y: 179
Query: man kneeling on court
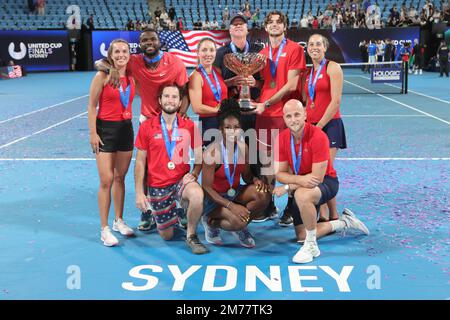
x: 163, y: 143
x: 302, y: 164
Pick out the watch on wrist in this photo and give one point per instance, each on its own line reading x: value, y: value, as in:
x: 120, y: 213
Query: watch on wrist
x: 266, y: 104
x: 286, y: 187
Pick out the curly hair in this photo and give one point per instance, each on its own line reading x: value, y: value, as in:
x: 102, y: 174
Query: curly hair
x: 229, y: 108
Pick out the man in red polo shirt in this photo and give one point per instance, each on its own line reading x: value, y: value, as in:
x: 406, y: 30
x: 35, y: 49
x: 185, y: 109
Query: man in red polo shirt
x: 302, y: 164
x: 163, y: 144
x: 285, y: 63
x: 152, y: 69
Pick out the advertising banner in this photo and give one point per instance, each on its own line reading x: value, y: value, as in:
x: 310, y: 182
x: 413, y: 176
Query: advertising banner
x: 37, y: 50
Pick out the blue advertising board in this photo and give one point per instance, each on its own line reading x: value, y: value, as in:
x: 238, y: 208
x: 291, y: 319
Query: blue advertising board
x: 102, y: 39
x: 37, y: 50
x: 386, y: 75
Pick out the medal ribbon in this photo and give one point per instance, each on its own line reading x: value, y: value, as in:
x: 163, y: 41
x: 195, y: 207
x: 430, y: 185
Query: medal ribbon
x: 311, y: 83
x: 234, y: 48
x: 155, y: 59
x: 226, y: 166
x: 274, y: 65
x: 169, y: 142
x: 296, y: 158
x: 125, y: 95
x: 217, y: 91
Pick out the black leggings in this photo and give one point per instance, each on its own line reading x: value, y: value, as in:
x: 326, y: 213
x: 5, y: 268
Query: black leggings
x: 443, y: 66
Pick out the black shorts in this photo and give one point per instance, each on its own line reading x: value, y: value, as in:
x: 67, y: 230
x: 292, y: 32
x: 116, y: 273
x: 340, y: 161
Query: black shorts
x: 115, y: 135
x: 329, y: 189
x: 336, y: 133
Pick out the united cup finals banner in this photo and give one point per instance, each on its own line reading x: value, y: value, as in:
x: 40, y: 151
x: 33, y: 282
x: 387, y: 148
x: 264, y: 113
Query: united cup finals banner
x: 37, y: 50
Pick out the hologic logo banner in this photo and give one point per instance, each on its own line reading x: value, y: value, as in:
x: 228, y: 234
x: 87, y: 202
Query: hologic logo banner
x: 36, y: 50
x: 386, y: 75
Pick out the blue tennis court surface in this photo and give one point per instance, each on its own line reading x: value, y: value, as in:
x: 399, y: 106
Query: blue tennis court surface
x: 394, y: 176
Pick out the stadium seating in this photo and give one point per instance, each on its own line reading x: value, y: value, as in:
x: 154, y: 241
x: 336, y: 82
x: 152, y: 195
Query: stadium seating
x: 114, y: 14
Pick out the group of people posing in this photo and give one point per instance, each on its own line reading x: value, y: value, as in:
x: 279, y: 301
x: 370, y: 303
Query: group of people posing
x: 292, y: 136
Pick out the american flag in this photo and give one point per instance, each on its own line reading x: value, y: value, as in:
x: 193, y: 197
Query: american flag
x: 183, y: 44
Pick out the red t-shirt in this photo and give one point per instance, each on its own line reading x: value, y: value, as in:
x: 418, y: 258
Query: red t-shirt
x: 322, y: 96
x: 315, y: 149
x: 208, y: 98
x: 292, y: 58
x: 110, y: 106
x: 170, y: 70
x: 150, y: 138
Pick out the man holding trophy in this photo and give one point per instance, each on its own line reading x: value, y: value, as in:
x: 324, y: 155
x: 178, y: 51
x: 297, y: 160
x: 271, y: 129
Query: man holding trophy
x: 234, y: 59
x: 285, y: 63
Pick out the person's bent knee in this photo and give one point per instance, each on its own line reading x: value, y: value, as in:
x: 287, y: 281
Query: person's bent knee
x: 166, y: 234
x: 302, y: 197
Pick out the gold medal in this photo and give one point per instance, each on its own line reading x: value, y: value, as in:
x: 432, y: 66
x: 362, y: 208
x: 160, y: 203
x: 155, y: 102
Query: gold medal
x: 171, y: 165
x: 312, y: 105
x: 272, y: 84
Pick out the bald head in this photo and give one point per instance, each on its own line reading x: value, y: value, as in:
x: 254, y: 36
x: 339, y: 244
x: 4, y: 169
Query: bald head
x: 292, y: 105
x: 294, y: 115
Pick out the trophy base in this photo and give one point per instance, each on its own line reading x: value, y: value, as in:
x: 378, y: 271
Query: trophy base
x: 246, y: 105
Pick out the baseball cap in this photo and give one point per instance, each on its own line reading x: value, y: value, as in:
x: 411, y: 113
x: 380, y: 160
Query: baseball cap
x: 238, y: 16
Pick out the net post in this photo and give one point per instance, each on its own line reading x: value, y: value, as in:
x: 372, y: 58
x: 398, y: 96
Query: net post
x: 405, y: 78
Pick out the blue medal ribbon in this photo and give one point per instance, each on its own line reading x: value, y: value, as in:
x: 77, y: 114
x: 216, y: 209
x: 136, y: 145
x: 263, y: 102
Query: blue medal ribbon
x: 311, y: 83
x: 125, y: 95
x: 296, y: 158
x: 226, y: 166
x: 274, y: 65
x: 155, y: 59
x: 234, y: 48
x: 170, y: 142
x: 217, y: 91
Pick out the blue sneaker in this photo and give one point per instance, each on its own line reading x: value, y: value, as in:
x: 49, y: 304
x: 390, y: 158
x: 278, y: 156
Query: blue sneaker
x: 245, y: 238
x: 212, y: 235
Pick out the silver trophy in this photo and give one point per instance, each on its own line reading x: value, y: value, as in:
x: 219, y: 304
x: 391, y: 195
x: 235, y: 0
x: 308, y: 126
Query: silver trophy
x: 245, y: 64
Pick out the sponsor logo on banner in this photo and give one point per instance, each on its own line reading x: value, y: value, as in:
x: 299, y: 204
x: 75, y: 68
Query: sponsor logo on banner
x: 17, y: 55
x: 34, y: 50
x: 386, y: 75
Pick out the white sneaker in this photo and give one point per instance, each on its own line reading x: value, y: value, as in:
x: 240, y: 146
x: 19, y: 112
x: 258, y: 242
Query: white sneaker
x: 352, y: 222
x: 416, y: 72
x: 420, y: 71
x: 245, y: 238
x: 108, y: 238
x: 121, y: 226
x: 307, y: 252
x: 212, y: 235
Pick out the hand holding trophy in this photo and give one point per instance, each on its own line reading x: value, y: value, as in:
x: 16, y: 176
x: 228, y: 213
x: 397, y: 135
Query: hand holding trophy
x: 245, y: 64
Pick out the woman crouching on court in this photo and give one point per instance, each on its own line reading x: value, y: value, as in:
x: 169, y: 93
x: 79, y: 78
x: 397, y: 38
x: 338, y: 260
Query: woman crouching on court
x: 111, y: 138
x: 323, y: 89
x: 228, y: 205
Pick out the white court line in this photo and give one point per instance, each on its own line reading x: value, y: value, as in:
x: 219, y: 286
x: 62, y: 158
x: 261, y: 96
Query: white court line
x: 43, y: 109
x: 40, y: 131
x: 341, y: 159
x: 400, y: 103
x: 409, y: 90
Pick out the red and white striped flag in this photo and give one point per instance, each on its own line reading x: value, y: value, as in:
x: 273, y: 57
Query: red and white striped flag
x: 184, y: 44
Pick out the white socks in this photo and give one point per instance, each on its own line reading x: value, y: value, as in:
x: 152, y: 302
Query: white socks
x: 337, y: 225
x: 311, y: 235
